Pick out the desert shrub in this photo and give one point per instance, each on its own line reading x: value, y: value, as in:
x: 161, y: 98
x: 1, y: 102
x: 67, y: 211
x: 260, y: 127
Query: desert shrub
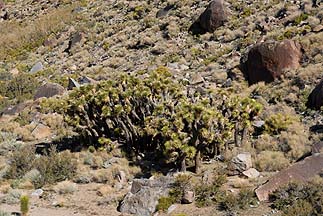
x: 21, y: 161
x: 300, y: 208
x: 242, y: 200
x: 299, y: 198
x: 66, y: 187
x: 20, y: 88
x: 8, y: 142
x: 164, y: 203
x: 12, y: 197
x: 54, y: 167
x: 277, y: 123
x: 208, y: 194
x: 183, y: 182
x: 271, y: 161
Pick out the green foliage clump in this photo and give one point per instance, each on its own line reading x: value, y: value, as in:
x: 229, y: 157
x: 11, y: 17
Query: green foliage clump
x: 21, y: 161
x: 24, y: 205
x: 242, y: 200
x: 164, y: 203
x: 301, y: 18
x: 18, y: 89
x: 52, y: 167
x: 299, y: 198
x: 154, y: 113
x: 208, y: 194
x: 278, y: 122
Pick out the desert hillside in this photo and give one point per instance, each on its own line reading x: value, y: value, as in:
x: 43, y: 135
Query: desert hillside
x: 171, y: 107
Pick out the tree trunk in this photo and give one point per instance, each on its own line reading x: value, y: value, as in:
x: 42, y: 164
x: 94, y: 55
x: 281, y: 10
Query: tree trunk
x: 237, y: 141
x: 244, y: 137
x: 183, y: 163
x: 197, y: 161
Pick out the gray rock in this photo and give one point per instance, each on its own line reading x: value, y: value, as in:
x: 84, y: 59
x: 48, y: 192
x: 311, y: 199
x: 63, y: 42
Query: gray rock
x: 197, y: 79
x: 37, y: 193
x: 258, y: 124
x: 37, y: 67
x: 188, y: 197
x: 164, y: 12
x: 251, y: 173
x: 72, y: 84
x: 171, y: 208
x: 240, y: 163
x: 49, y: 90
x: 144, y: 195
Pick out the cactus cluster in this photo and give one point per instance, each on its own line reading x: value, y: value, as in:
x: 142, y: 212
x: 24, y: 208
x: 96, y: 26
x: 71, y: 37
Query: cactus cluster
x: 155, y: 113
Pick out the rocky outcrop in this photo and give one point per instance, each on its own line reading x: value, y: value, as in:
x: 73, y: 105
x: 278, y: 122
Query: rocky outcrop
x: 212, y: 18
x: 240, y: 163
x: 315, y: 99
x: 301, y: 172
x: 144, y: 195
x: 49, y: 90
x: 268, y: 60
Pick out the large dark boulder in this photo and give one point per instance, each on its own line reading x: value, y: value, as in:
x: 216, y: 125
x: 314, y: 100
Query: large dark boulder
x: 212, y: 18
x: 315, y: 99
x: 49, y: 90
x: 267, y: 61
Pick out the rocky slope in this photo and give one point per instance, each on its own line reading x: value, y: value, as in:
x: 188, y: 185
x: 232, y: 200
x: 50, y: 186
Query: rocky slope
x: 270, y: 51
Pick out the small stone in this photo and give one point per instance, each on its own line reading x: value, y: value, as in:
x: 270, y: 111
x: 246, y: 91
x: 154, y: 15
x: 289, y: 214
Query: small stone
x: 197, y: 79
x: 37, y: 67
x: 188, y: 197
x: 37, y: 193
x: 258, y: 124
x: 251, y: 173
x: 171, y: 208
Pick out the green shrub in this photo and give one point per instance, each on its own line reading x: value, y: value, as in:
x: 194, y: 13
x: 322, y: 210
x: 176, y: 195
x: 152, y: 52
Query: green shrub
x: 164, y: 203
x: 54, y: 167
x: 242, y: 200
x: 271, y: 161
x: 278, y: 122
x: 21, y: 161
x: 208, y: 194
x: 299, y: 198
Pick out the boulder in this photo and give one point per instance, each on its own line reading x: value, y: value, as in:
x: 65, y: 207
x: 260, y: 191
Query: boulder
x: 188, y: 197
x: 36, y: 68
x: 164, y: 11
x: 212, y: 18
x: 49, y: 90
x: 41, y: 132
x: 240, y: 163
x: 144, y: 195
x: 301, y: 171
x: 75, y: 38
x: 251, y: 173
x: 267, y: 61
x: 315, y: 99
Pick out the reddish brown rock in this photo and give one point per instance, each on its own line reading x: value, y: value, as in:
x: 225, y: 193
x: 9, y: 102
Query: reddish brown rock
x: 301, y: 172
x: 315, y: 99
x: 212, y: 18
x: 268, y: 60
